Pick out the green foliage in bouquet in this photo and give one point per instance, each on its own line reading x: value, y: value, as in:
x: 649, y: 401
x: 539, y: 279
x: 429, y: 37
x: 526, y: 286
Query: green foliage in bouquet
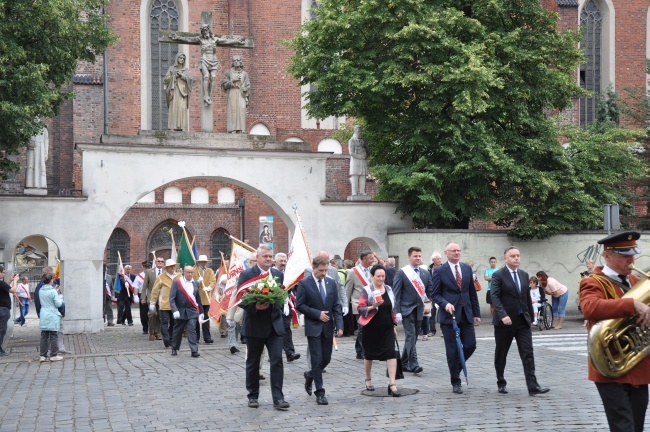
x: 266, y: 290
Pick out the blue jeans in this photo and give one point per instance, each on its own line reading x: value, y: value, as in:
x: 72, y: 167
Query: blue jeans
x: 24, y: 310
x: 559, y: 305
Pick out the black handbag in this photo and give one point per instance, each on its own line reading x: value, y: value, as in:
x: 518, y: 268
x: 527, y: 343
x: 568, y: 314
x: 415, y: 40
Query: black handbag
x: 62, y: 310
x: 399, y: 371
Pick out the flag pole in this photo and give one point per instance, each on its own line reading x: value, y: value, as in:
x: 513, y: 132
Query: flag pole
x: 302, y: 230
x: 242, y: 244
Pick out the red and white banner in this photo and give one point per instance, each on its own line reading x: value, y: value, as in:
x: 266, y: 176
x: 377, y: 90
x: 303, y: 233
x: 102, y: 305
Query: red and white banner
x: 239, y: 256
x: 298, y: 259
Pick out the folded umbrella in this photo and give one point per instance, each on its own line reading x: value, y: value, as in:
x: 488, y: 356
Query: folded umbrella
x: 459, y: 345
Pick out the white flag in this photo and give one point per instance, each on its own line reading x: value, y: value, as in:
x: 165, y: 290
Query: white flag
x: 298, y: 260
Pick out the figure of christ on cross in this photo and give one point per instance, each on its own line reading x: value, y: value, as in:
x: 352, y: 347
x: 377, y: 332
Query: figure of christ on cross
x: 209, y: 61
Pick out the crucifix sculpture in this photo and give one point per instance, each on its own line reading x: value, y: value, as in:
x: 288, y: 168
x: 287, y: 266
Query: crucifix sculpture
x: 209, y: 60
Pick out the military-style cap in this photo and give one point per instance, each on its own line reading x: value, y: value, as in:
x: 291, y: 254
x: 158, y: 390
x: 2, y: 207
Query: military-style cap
x: 128, y: 266
x: 623, y: 243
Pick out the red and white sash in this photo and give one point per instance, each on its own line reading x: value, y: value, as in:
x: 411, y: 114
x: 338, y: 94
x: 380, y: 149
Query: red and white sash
x: 360, y: 275
x: 416, y: 282
x: 189, y: 298
x: 244, y: 288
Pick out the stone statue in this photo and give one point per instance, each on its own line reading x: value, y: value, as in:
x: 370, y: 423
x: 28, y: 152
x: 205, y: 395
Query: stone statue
x: 37, y: 155
x: 358, y: 149
x: 237, y: 86
x: 178, y: 86
x: 209, y: 60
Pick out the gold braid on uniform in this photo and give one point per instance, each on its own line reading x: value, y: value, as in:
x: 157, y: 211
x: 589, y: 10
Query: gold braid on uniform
x: 606, y: 285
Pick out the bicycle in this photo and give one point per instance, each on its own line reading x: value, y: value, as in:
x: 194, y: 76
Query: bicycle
x: 544, y: 315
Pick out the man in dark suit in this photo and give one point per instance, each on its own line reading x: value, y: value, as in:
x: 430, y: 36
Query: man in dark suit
x: 454, y: 292
x: 411, y: 286
x: 262, y: 325
x: 513, y: 312
x: 318, y: 299
x: 184, y: 301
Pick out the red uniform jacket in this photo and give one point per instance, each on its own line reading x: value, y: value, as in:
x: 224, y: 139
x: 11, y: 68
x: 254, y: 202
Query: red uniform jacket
x: 596, y: 307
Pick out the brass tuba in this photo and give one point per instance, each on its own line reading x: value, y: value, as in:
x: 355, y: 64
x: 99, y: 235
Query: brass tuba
x: 616, y: 346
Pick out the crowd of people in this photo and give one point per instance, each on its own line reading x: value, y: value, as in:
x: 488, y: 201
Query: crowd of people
x: 369, y: 299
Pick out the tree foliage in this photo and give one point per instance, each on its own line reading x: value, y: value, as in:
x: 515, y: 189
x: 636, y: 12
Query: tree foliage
x: 454, y: 96
x: 41, y: 42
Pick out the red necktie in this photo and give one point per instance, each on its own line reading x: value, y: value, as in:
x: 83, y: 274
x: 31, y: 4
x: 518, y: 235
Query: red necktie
x: 459, y: 281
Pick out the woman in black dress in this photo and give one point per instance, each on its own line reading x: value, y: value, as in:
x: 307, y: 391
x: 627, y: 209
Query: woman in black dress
x: 377, y: 315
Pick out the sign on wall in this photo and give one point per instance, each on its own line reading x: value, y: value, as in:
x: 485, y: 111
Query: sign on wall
x: 266, y: 231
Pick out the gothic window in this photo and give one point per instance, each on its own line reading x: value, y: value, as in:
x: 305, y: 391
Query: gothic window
x: 161, y: 240
x: 219, y: 243
x: 164, y: 16
x: 591, y: 22
x: 312, y: 10
x: 118, y: 242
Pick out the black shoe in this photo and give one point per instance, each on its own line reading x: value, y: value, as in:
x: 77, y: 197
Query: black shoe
x: 209, y: 341
x: 196, y: 354
x: 370, y: 387
x: 359, y: 357
x: 538, y: 390
x: 308, y: 383
x: 280, y: 404
x: 174, y: 352
x: 130, y: 324
x: 293, y: 357
x: 503, y: 389
x: 418, y: 370
x: 394, y: 393
x: 223, y: 335
x: 252, y: 403
x: 406, y: 369
x: 458, y: 389
x: 262, y: 377
x: 3, y: 353
x: 233, y: 350
x: 321, y: 400
x: 166, y: 344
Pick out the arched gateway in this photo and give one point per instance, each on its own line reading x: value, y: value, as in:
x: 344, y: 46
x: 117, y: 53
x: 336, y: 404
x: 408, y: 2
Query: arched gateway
x: 122, y: 169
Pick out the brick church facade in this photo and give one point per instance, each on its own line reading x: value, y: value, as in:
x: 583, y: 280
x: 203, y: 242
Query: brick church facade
x: 617, y: 47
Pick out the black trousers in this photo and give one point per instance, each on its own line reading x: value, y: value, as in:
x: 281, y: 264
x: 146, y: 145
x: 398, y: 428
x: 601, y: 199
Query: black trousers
x: 503, y: 336
x: 358, y: 346
x: 120, y: 311
x: 144, y: 317
x: 467, y: 337
x: 205, y: 327
x: 320, y: 350
x: 625, y: 406
x: 166, y: 326
x: 349, y: 325
x: 126, y: 315
x: 287, y: 339
x: 255, y: 345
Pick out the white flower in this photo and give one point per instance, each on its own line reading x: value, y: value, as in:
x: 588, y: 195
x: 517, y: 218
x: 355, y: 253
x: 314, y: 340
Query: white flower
x: 260, y: 285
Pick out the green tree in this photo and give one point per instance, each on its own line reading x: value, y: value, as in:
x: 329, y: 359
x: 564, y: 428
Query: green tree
x: 41, y: 42
x: 455, y: 98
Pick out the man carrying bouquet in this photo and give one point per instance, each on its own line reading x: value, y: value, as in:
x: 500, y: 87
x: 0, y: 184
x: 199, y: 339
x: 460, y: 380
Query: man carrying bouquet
x: 262, y: 325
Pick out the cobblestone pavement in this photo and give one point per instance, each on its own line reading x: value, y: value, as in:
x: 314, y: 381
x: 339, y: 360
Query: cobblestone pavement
x: 118, y: 380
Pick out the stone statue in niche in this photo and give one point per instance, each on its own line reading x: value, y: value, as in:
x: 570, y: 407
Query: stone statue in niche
x: 237, y: 87
x: 37, y: 155
x: 178, y: 87
x: 358, y: 149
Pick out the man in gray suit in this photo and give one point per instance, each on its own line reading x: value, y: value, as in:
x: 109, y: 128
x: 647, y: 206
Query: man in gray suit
x: 108, y: 298
x: 411, y: 286
x: 318, y: 300
x: 184, y: 300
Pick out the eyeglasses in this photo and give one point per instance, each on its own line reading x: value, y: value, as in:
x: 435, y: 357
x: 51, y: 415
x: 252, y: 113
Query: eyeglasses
x: 453, y: 251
